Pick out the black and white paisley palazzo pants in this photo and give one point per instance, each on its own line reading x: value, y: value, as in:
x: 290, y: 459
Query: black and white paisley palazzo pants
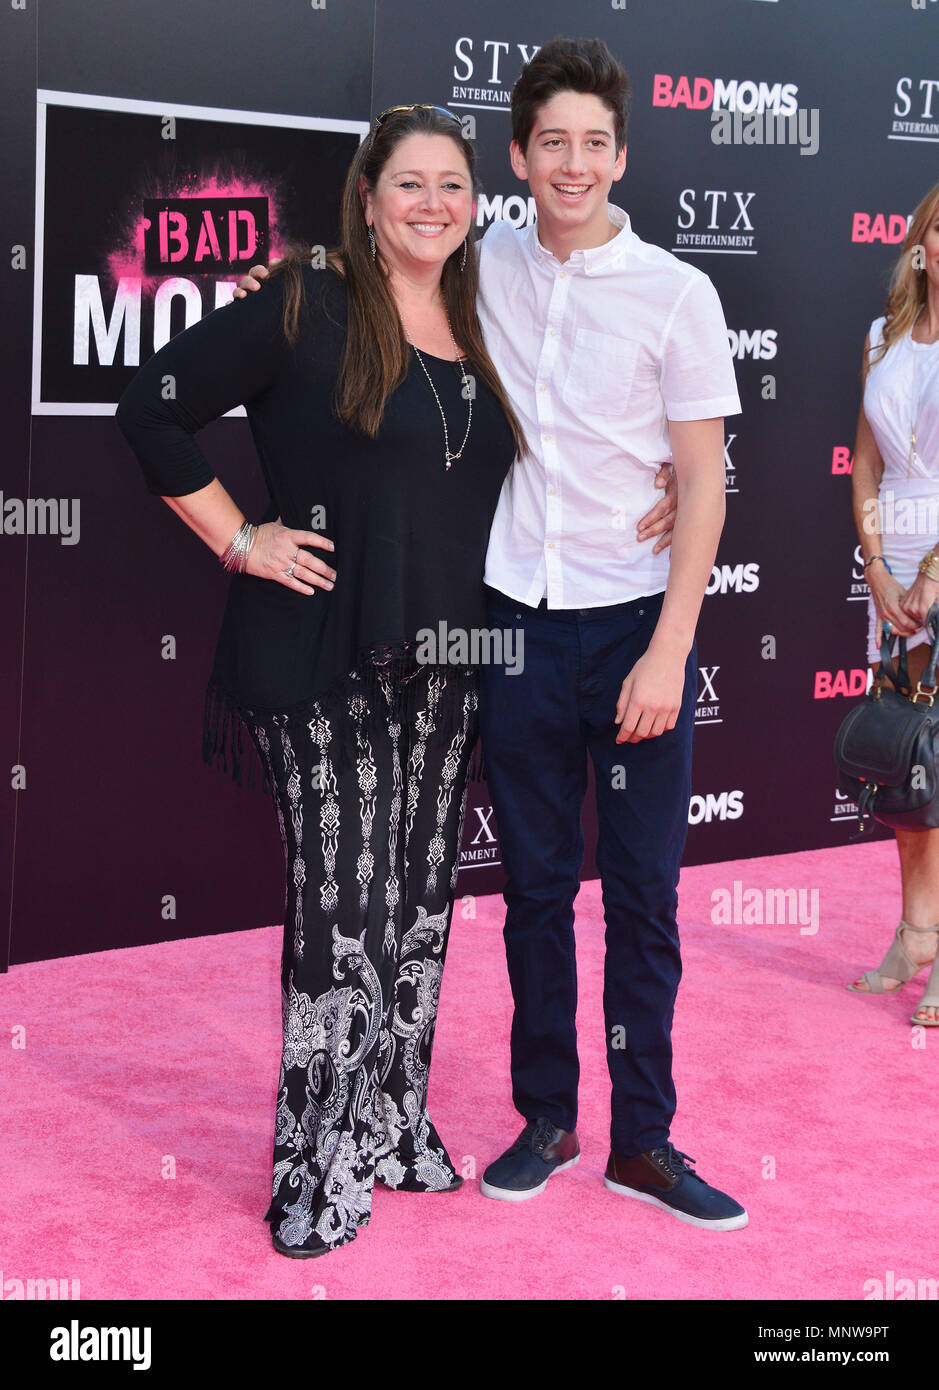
x: 369, y: 795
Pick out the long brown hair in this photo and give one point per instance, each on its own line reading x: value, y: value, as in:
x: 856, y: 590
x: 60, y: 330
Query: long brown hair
x: 376, y: 354
x: 908, y: 283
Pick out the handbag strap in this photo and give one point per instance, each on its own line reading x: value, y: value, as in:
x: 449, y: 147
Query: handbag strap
x: 900, y: 681
x: 928, y: 678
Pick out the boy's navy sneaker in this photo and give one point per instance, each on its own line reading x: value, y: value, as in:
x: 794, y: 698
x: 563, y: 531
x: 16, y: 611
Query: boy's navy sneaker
x: 541, y: 1150
x: 662, y: 1177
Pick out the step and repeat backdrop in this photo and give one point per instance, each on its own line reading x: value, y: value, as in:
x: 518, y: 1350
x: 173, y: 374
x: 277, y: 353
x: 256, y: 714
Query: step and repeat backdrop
x: 778, y: 145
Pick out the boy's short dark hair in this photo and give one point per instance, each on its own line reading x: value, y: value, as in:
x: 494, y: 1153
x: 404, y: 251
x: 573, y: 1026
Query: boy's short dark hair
x: 570, y: 65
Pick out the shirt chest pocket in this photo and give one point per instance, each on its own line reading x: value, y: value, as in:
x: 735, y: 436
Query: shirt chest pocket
x: 601, y: 373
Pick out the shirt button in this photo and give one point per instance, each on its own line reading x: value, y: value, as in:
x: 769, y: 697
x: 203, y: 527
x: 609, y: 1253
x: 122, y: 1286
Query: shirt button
x: 552, y: 491
x: 550, y: 545
x: 563, y: 275
x: 552, y: 333
x: 541, y: 386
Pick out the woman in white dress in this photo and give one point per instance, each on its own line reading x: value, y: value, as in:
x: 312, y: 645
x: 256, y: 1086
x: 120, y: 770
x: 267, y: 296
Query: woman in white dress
x: 896, y: 509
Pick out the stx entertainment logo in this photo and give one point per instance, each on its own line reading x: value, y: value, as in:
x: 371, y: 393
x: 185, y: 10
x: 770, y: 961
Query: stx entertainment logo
x: 858, y: 590
x: 730, y: 471
x: 707, y: 708
x: 721, y: 220
x: 490, y: 67
x: 916, y: 110
x: 844, y: 807
x: 718, y: 94
x: 480, y: 838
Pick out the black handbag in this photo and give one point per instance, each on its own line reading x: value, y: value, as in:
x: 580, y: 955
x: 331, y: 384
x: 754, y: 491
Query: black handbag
x: 887, y: 749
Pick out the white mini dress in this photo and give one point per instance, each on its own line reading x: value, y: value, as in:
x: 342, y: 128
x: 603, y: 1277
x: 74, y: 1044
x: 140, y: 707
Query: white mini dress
x: 903, y: 387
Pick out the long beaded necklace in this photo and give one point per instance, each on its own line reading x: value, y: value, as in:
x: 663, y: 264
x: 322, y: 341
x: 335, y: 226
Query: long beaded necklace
x: 467, y: 392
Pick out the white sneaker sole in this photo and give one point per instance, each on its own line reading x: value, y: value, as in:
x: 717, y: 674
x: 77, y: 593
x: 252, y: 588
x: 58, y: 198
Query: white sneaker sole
x: 506, y: 1194
x: 727, y: 1223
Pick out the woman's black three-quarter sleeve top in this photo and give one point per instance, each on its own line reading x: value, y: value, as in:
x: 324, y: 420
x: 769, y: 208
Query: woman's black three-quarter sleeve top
x: 410, y: 536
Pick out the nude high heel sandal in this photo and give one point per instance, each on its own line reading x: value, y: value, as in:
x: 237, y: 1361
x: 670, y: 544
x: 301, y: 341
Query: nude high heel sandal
x: 929, y: 999
x: 897, y: 964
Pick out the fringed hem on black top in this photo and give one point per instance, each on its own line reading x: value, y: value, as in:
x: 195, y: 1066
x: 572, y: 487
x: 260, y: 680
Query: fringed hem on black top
x: 227, y: 744
x: 392, y: 681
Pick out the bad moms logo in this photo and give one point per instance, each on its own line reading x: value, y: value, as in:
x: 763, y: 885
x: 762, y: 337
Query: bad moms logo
x: 725, y: 94
x: 521, y: 212
x: 165, y: 207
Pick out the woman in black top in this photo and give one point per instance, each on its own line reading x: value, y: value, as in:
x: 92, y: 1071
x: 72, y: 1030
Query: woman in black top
x: 384, y: 435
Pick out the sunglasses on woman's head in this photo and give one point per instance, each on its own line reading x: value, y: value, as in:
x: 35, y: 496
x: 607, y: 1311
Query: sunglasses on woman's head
x: 417, y: 106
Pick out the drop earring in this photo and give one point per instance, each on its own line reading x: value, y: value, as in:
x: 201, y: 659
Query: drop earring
x: 463, y: 261
x: 371, y: 240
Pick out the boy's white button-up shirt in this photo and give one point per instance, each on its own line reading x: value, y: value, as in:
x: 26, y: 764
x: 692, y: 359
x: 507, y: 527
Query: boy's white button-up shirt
x: 597, y: 355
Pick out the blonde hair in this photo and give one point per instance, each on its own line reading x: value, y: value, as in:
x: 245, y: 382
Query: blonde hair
x: 908, y: 284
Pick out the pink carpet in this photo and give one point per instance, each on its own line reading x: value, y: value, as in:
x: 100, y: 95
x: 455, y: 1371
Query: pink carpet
x: 809, y: 1104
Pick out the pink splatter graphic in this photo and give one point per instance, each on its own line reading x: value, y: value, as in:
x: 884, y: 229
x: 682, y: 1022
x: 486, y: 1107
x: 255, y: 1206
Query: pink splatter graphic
x: 126, y: 261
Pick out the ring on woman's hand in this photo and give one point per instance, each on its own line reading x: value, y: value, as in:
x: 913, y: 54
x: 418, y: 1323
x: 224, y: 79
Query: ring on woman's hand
x: 289, y: 572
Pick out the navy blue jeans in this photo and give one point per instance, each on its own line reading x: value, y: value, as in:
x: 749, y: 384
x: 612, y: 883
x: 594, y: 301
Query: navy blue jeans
x: 537, y: 728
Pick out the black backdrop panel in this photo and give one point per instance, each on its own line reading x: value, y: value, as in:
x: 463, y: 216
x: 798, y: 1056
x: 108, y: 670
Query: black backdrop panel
x: 284, y: 56
x: 798, y: 297
x: 120, y: 815
x: 17, y: 82
x: 126, y: 838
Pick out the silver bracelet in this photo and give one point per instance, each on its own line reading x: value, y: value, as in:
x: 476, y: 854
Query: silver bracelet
x: 235, y: 554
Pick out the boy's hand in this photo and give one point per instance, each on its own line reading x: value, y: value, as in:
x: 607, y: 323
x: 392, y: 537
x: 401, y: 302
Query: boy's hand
x: 650, y: 697
x: 661, y: 519
x: 251, y: 281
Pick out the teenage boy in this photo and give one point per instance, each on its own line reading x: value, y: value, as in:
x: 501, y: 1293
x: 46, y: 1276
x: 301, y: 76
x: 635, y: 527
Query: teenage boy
x: 614, y: 353
x: 615, y: 356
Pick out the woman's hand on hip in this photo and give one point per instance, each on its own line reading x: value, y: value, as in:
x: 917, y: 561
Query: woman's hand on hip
x: 918, y: 599
x: 276, y: 550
